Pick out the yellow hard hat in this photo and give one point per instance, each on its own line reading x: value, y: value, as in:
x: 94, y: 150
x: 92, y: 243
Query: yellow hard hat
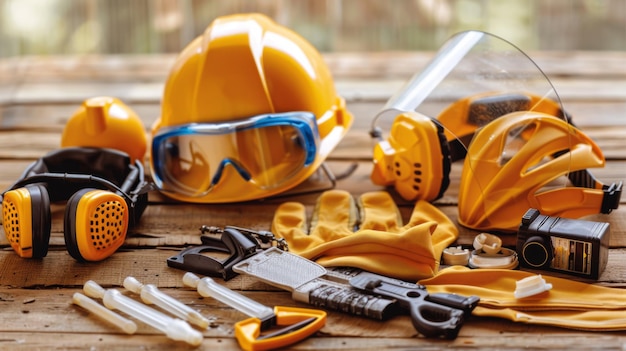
x: 249, y: 110
x: 106, y: 122
x: 515, y: 163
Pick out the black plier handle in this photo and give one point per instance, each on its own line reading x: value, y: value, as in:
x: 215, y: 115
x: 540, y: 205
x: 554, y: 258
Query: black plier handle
x: 237, y: 244
x: 437, y: 315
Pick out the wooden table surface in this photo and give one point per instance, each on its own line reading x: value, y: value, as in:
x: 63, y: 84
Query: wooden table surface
x: 38, y: 95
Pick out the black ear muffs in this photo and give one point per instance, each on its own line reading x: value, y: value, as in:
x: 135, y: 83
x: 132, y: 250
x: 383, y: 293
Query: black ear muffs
x: 26, y: 220
x: 105, y: 194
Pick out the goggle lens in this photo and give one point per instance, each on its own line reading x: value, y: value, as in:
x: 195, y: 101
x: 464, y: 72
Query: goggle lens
x: 191, y: 159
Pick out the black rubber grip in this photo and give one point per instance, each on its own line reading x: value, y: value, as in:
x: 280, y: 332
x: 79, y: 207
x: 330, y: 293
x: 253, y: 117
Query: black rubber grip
x: 351, y: 301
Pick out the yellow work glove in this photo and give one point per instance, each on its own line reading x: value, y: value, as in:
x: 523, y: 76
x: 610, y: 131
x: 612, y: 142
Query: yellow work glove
x: 569, y: 304
x: 381, y: 244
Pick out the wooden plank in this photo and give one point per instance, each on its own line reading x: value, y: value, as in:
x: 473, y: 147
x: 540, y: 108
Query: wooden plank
x: 50, y: 315
x: 58, y: 314
x: 357, y: 182
x: 178, y: 223
x: 518, y: 340
x: 38, y: 77
x: 350, y: 88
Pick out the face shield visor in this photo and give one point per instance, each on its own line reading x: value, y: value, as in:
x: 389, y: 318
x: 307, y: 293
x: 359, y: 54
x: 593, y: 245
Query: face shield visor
x: 474, y: 80
x: 266, y: 151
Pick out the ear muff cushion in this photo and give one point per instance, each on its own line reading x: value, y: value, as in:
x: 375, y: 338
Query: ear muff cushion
x: 26, y: 220
x: 415, y: 159
x: 446, y: 160
x: 96, y: 223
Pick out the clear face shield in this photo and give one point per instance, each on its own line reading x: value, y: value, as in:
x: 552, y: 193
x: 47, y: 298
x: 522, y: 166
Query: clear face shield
x: 483, y: 100
x: 265, y: 150
x: 474, y: 78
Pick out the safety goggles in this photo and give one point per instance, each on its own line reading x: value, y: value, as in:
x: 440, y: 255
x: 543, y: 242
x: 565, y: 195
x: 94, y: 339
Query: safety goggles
x: 265, y: 150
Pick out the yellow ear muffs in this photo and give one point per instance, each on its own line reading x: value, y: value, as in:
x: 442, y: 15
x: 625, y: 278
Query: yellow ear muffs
x: 415, y: 158
x: 95, y: 225
x: 26, y: 220
x: 104, y: 191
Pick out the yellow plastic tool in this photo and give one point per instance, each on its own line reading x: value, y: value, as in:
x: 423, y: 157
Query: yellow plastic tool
x: 297, y: 324
x: 267, y: 328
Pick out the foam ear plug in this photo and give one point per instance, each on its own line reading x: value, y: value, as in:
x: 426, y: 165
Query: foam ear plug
x: 488, y: 243
x: 456, y: 256
x: 504, y: 259
x: 530, y: 286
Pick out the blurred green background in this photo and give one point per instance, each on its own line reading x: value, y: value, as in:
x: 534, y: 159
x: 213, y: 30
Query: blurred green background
x: 62, y: 27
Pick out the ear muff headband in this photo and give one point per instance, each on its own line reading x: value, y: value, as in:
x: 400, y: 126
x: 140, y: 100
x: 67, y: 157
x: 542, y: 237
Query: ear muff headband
x: 67, y: 170
x: 111, y: 165
x: 76, y: 179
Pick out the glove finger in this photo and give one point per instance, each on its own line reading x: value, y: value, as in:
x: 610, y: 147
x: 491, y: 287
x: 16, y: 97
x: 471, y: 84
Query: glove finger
x: 335, y: 215
x: 445, y: 232
x: 379, y: 212
x: 290, y: 223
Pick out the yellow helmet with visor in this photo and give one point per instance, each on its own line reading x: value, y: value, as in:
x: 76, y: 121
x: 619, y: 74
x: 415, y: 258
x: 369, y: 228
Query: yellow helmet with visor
x: 484, y: 101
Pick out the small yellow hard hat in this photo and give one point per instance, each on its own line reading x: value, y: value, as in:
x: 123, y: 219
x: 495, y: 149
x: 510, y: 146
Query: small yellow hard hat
x: 106, y: 122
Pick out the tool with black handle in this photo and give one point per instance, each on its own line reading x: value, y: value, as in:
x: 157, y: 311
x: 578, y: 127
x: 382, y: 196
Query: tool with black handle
x: 360, y: 293
x: 309, y: 283
x: 435, y: 316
